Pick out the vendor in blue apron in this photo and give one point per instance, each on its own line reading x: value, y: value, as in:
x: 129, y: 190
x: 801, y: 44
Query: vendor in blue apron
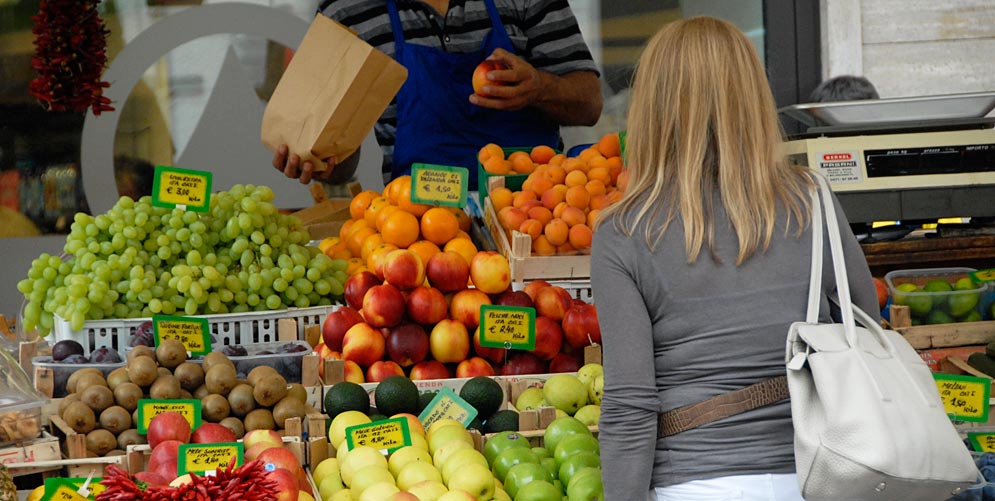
x: 440, y: 120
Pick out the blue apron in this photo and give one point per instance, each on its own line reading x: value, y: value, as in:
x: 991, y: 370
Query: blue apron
x: 436, y: 123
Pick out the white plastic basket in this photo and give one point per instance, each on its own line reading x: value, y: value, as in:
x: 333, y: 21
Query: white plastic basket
x: 226, y: 329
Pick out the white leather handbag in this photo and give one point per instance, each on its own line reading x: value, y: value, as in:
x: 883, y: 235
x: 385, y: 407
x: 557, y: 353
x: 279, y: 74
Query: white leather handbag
x: 868, y: 419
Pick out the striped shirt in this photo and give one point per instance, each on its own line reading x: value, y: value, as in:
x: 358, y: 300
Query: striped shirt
x: 544, y: 33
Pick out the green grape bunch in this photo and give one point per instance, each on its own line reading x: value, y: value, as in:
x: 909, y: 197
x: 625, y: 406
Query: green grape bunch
x: 137, y: 260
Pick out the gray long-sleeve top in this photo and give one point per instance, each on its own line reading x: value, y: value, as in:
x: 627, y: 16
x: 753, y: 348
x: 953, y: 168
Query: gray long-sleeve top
x: 675, y: 334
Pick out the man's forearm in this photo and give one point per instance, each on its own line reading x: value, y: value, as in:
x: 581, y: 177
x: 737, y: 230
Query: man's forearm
x: 571, y: 99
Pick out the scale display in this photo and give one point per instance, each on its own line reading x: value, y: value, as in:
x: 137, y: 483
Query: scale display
x: 931, y: 160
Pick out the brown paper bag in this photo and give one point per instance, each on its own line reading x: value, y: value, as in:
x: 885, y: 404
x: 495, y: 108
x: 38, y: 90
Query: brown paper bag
x: 332, y: 93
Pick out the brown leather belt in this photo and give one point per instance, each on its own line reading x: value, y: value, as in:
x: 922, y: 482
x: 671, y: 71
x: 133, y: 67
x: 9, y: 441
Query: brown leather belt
x: 722, y: 406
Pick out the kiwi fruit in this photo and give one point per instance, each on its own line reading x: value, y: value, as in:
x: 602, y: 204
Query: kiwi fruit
x: 297, y: 391
x: 214, y: 408
x: 171, y: 353
x: 70, y: 398
x: 127, y: 395
x: 165, y: 388
x: 74, y: 377
x: 190, y: 375
x: 97, y: 398
x: 162, y: 371
x: 270, y: 390
x: 288, y: 408
x: 130, y: 437
x: 140, y: 351
x: 259, y: 419
x: 201, y: 392
x: 185, y: 395
x: 90, y: 379
x: 235, y: 425
x: 115, y: 419
x: 241, y: 400
x: 142, y: 371
x: 220, y: 379
x: 216, y: 358
x: 260, y: 373
x: 117, y: 376
x: 80, y: 417
x: 134, y: 418
x: 100, y: 441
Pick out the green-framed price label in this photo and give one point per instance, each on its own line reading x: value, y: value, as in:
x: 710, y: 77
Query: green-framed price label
x: 508, y: 327
x: 439, y: 185
x: 173, y: 187
x: 69, y: 489
x: 150, y: 408
x: 965, y: 398
x: 390, y: 434
x: 982, y: 442
x: 982, y: 276
x: 192, y: 332
x: 201, y: 458
x: 447, y: 404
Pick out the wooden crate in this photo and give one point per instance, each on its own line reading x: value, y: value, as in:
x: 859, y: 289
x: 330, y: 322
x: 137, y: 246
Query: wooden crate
x: 940, y: 335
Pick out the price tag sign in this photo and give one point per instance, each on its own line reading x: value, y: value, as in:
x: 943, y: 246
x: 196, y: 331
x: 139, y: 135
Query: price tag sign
x: 186, y: 189
x: 439, y: 185
x: 67, y: 489
x: 508, y: 327
x: 192, y: 332
x: 982, y: 442
x: 621, y: 143
x: 149, y: 408
x: 447, y: 404
x: 390, y: 434
x: 965, y: 398
x: 982, y: 276
x: 201, y: 458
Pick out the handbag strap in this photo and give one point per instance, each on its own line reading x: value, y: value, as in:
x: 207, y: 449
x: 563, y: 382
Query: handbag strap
x: 815, y: 275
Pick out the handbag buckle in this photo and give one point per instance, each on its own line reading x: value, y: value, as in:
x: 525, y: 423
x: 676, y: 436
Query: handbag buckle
x: 798, y: 360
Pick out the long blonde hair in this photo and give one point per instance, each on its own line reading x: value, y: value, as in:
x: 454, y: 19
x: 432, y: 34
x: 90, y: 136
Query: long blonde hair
x: 702, y: 118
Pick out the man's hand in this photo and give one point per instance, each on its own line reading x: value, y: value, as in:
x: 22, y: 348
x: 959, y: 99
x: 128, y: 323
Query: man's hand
x: 291, y: 166
x: 522, y: 84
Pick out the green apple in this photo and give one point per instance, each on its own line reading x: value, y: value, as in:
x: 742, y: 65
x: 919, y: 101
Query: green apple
x: 360, y: 458
x: 576, y: 463
x: 379, y: 491
x: 428, y: 490
x: 550, y: 465
x: 539, y: 490
x: 596, y: 390
x: 903, y: 299
x: 416, y: 472
x: 589, y: 414
x: 565, y: 392
x: 401, y: 457
x: 962, y: 303
x: 368, y: 476
x: 561, y: 427
x: 458, y: 459
x: 588, y: 372
x: 510, y: 457
x: 474, y: 478
x: 325, y: 467
x: 529, y: 399
x: 573, y: 444
x: 542, y: 452
x: 330, y: 484
x: 523, y: 474
x: 501, y: 441
x: 586, y: 486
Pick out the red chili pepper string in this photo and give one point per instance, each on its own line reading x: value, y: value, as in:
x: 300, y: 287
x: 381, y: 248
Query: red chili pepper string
x: 248, y: 482
x: 70, y: 56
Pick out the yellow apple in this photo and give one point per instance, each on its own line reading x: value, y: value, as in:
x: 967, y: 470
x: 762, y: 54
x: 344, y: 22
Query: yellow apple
x: 440, y: 456
x: 304, y: 496
x: 420, y: 442
x: 330, y: 484
x: 359, y: 458
x: 428, y: 490
x: 459, y: 458
x: 379, y: 491
x: 500, y: 494
x: 457, y: 495
x: 343, y: 495
x: 401, y: 457
x: 181, y: 480
x: 336, y: 432
x: 325, y: 467
x: 446, y: 434
x: 440, y: 423
x: 416, y: 472
x: 475, y: 479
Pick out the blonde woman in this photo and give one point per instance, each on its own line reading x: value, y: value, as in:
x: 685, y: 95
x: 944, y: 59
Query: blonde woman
x: 698, y: 271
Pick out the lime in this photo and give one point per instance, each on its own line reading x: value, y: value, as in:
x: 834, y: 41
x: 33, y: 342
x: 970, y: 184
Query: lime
x: 939, y: 286
x: 973, y: 316
x: 919, y: 304
x: 902, y: 299
x: 962, y: 303
x: 939, y: 317
x: 965, y: 284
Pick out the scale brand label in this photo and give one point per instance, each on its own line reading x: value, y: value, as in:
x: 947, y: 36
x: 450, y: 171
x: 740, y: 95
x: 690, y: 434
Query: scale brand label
x: 390, y: 434
x: 965, y: 398
x: 192, y: 332
x: 149, y: 408
x: 447, y: 404
x: 840, y: 167
x: 184, y: 188
x: 200, y: 458
x: 508, y: 327
x: 439, y: 185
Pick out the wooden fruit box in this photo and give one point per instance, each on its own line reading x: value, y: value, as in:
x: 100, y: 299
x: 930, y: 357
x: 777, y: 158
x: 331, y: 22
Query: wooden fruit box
x: 518, y: 250
x: 923, y: 337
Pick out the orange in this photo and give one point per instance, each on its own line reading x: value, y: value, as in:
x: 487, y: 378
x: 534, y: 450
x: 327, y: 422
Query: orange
x: 490, y: 151
x: 609, y: 145
x: 551, y: 198
x: 575, y: 178
x: 400, y: 229
x: 511, y: 217
x: 424, y: 249
x: 390, y: 191
x: 542, y: 247
x: 542, y: 154
x: 370, y: 215
x: 580, y: 236
x: 573, y: 216
x: 578, y: 196
x: 463, y: 247
x: 439, y: 225
x: 496, y: 165
x: 369, y: 243
x: 521, y: 162
x: 523, y: 196
x: 463, y: 234
x: 556, y: 173
x: 557, y: 159
x: 404, y: 199
x: 354, y: 242
x: 359, y: 203
x: 556, y: 232
x: 501, y: 198
x: 339, y: 251
x: 462, y: 217
x: 382, y: 215
x: 596, y: 187
x: 541, y: 214
x: 346, y: 227
x: 532, y: 228
x: 327, y: 243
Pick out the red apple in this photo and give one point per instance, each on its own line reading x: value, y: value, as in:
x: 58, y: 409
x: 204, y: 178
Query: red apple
x: 281, y: 457
x: 580, y: 325
x: 532, y: 287
x: 523, y: 362
x: 212, y: 433
x: 473, y: 367
x: 495, y: 355
x: 427, y: 305
x: 286, y: 484
x: 162, y: 462
x: 882, y: 289
x: 335, y: 325
x: 447, y: 271
x: 355, y: 288
x: 363, y: 344
x: 407, y: 344
x: 383, y: 369
x: 449, y: 341
x: 465, y: 306
x: 255, y: 437
x: 479, y: 79
x: 168, y: 426
x: 566, y: 362
x: 253, y: 452
x: 151, y: 478
x: 429, y: 369
x: 553, y: 302
x: 403, y: 269
x: 490, y: 272
x: 383, y: 306
x: 515, y: 298
x: 549, y: 338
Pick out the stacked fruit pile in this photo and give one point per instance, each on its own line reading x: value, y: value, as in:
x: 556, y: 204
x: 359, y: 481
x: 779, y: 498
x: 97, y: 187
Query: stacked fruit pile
x: 138, y: 260
x: 106, y: 408
x: 940, y: 301
x: 561, y: 197
x: 571, y: 395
